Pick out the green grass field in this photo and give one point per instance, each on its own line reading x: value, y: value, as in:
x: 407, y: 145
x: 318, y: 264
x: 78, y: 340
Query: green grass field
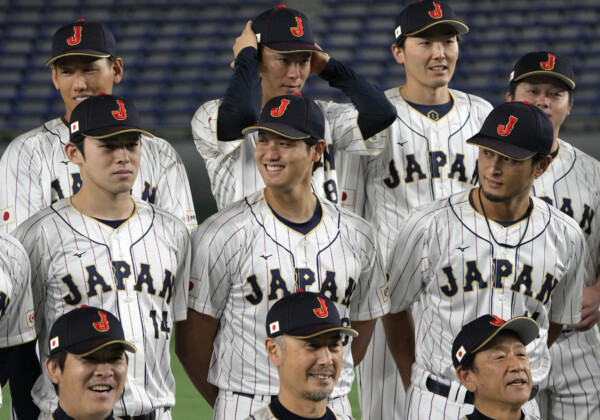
x: 190, y: 405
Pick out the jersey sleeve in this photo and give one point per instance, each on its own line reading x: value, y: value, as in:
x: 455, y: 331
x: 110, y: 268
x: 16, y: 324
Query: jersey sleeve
x: 408, y: 262
x: 17, y: 322
x: 369, y: 300
x: 566, y: 298
x: 21, y: 193
x: 175, y: 195
x: 182, y: 276
x: 210, y: 279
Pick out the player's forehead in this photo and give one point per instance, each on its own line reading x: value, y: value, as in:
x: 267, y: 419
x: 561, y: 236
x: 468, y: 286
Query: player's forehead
x: 80, y: 60
x: 543, y: 81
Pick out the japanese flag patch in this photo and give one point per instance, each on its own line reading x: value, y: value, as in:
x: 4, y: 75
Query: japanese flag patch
x: 75, y: 127
x: 54, y: 343
x: 460, y: 353
x: 274, y: 327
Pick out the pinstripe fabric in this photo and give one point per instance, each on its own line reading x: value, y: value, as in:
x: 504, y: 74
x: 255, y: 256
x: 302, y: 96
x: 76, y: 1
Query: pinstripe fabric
x: 139, y: 272
x: 36, y: 173
x: 233, y: 172
x: 446, y: 260
x: 16, y: 303
x: 572, y: 184
x: 398, y: 180
x: 266, y: 414
x: 245, y: 259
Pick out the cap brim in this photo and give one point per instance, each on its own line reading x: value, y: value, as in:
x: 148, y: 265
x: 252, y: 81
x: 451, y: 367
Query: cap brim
x: 309, y: 332
x: 277, y: 128
x: 89, y: 53
x: 507, y: 150
x: 526, y: 328
x: 460, y: 27
x: 89, y: 347
x: 113, y: 131
x: 293, y: 47
x: 569, y: 82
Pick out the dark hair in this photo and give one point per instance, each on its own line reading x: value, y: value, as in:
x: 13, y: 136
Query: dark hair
x: 469, y: 363
x: 58, y: 358
x: 538, y: 158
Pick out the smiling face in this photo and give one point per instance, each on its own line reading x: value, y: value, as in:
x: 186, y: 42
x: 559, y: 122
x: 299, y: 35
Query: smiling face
x: 78, y: 77
x: 430, y: 57
x: 501, y: 375
x: 308, y: 369
x: 89, y: 386
x: 283, y: 74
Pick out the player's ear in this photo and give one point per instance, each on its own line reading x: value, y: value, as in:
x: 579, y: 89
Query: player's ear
x: 273, y: 351
x: 398, y: 53
x: 466, y: 378
x: 509, y: 97
x: 54, y: 76
x: 542, y: 166
x: 319, y: 150
x: 73, y: 153
x: 117, y: 68
x: 54, y: 370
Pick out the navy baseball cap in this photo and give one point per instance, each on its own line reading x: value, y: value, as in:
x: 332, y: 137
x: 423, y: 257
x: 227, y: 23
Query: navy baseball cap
x: 517, y: 130
x: 83, y: 38
x: 85, y: 330
x: 291, y: 116
x: 284, y: 30
x: 305, y: 315
x: 422, y: 15
x: 476, y: 334
x: 543, y: 63
x: 104, y: 116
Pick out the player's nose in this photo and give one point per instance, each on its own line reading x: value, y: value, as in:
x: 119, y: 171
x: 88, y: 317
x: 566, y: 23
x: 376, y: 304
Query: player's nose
x: 122, y: 154
x: 79, y: 82
x: 294, y: 70
x: 438, y: 49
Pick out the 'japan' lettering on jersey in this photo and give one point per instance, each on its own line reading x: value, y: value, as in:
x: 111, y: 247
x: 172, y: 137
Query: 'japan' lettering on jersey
x: 17, y: 318
x: 572, y: 184
x: 231, y: 166
x: 446, y: 259
x: 245, y: 259
x: 426, y: 160
x: 37, y: 173
x: 139, y: 272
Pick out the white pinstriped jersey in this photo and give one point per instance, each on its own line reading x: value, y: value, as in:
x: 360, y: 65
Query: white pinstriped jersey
x: 265, y: 413
x: 446, y: 259
x: 37, y: 173
x: 139, y: 272
x: 572, y: 184
x: 398, y: 180
x: 233, y: 172
x: 245, y: 259
x: 16, y: 304
x: 401, y: 178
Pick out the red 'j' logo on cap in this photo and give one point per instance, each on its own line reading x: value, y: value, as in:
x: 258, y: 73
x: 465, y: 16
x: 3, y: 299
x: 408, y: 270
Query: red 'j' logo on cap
x: 548, y: 65
x: 121, y: 113
x: 278, y: 112
x: 321, y: 311
x: 101, y: 325
x: 504, y: 130
x: 437, y: 12
x: 76, y: 38
x: 298, y: 30
x: 498, y: 321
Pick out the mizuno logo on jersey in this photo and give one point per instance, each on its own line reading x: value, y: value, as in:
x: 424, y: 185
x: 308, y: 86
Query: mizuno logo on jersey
x: 266, y: 257
x: 503, y: 270
x: 79, y: 254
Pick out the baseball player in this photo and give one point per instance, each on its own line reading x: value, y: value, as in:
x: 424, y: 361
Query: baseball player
x: 274, y: 56
x: 274, y: 242
x: 490, y: 357
x: 87, y: 363
x: 427, y: 158
x: 35, y: 168
x: 490, y: 250
x: 572, y: 184
x: 304, y: 343
x: 102, y: 247
x: 18, y: 360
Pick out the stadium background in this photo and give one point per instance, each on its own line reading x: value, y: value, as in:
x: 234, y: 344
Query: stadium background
x: 177, y: 55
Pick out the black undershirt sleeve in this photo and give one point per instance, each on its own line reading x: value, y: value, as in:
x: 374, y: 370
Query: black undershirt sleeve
x: 20, y: 367
x: 242, y: 102
x: 375, y: 111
